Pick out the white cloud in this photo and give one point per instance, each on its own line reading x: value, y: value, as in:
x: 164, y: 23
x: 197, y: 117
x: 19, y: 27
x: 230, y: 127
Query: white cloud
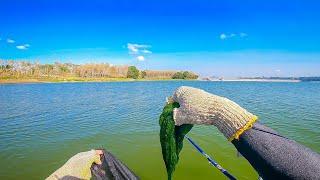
x: 10, y: 41
x: 146, y: 51
x: 132, y: 48
x: 223, y: 36
x: 23, y: 47
x: 140, y: 58
x: 138, y: 48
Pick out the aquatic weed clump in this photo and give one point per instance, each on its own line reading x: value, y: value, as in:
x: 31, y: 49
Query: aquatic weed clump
x: 171, y: 137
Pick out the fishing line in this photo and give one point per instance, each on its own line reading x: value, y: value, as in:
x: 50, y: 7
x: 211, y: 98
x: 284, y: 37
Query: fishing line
x: 211, y: 161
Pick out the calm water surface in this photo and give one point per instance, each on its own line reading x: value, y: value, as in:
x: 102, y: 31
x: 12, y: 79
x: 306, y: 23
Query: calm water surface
x: 42, y: 125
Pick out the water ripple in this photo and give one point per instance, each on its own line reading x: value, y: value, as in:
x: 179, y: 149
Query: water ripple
x: 44, y: 124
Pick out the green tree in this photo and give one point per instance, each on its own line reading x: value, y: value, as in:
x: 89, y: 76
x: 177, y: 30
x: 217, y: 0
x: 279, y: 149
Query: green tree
x: 184, y: 75
x: 133, y: 72
x: 189, y: 75
x: 178, y: 75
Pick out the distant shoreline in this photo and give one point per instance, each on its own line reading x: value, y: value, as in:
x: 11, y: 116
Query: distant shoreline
x: 256, y: 80
x: 31, y: 81
x: 81, y: 80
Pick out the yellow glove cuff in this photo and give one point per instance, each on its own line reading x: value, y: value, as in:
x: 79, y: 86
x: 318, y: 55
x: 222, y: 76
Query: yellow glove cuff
x: 244, y: 128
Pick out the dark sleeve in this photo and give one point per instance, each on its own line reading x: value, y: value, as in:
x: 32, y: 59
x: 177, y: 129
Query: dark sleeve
x: 276, y: 157
x: 111, y: 169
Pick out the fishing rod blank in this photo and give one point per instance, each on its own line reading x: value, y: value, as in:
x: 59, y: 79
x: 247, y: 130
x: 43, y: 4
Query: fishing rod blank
x: 211, y: 161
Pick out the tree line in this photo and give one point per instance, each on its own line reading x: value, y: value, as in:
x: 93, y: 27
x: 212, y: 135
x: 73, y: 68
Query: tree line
x: 24, y: 69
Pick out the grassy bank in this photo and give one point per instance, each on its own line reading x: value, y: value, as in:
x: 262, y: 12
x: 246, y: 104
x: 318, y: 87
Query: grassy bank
x: 74, y: 79
x: 28, y: 72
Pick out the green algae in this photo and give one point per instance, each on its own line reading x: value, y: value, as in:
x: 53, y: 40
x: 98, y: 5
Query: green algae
x: 171, y: 138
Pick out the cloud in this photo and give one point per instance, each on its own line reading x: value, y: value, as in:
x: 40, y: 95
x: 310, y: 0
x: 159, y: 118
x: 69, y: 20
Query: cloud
x: 132, y: 48
x: 138, y: 48
x: 224, y: 36
x: 146, y: 51
x: 140, y: 58
x: 23, y: 47
x: 10, y: 41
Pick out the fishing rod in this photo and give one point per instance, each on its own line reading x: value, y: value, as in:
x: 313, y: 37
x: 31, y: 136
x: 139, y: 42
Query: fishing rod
x: 211, y: 161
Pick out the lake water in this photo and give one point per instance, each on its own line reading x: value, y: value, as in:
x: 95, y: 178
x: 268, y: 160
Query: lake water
x: 42, y: 125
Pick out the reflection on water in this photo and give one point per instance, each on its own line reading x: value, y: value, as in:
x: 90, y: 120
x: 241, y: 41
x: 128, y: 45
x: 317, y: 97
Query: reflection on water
x: 42, y: 125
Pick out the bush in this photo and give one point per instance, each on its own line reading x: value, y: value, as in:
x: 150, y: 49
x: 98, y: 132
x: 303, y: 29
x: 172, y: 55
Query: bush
x: 178, y: 75
x: 189, y: 75
x: 184, y: 75
x: 133, y: 72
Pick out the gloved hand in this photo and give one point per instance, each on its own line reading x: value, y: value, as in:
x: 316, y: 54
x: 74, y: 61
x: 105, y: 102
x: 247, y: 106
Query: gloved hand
x: 78, y: 166
x: 200, y: 107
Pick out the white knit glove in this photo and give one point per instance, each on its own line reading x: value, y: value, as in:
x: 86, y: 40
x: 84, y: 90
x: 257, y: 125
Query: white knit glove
x: 200, y: 107
x: 77, y: 166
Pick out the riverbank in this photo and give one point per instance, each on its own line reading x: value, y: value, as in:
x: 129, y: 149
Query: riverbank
x: 258, y: 80
x: 76, y: 79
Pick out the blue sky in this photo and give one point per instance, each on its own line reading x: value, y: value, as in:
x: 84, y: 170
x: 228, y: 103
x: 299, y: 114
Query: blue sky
x: 222, y: 38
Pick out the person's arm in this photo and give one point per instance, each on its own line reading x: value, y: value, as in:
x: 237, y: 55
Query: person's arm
x: 276, y: 157
x: 272, y: 155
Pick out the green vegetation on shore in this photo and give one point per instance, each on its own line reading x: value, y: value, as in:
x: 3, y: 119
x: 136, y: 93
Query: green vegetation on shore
x: 184, y: 75
x: 23, y: 72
